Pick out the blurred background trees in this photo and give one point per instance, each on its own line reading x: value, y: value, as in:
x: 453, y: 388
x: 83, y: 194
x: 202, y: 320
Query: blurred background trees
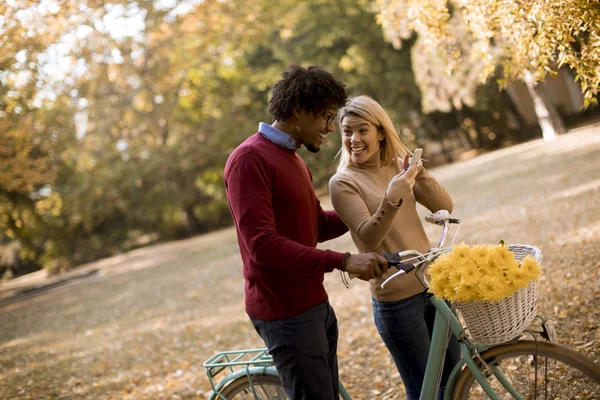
x: 117, y: 117
x: 469, y: 41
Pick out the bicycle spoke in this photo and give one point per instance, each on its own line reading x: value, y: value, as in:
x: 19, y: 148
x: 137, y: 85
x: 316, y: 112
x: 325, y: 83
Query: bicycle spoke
x: 538, y: 375
x: 561, y: 382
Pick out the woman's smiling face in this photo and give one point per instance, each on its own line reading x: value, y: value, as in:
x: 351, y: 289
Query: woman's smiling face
x: 361, y: 138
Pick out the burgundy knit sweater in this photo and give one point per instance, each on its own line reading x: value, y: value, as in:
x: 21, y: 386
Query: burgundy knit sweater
x: 279, y: 221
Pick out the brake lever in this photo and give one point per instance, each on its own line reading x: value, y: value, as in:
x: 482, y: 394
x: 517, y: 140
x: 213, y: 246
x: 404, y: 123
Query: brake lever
x: 394, y: 260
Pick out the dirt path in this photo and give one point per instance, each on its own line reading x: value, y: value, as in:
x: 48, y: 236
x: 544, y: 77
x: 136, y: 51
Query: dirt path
x: 141, y: 327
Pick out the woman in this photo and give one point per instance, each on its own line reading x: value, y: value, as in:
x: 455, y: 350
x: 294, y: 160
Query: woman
x: 375, y: 193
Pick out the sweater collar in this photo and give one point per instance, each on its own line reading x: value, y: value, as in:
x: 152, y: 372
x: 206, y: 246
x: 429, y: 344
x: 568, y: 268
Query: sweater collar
x: 373, y: 163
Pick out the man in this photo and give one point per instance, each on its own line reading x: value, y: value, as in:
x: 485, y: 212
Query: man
x: 279, y: 221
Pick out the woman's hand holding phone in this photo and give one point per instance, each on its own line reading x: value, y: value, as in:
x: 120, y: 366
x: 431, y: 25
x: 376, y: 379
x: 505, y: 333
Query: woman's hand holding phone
x: 403, y: 183
x: 416, y: 158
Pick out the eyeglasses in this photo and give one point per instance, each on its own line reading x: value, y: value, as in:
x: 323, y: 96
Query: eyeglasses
x: 330, y: 117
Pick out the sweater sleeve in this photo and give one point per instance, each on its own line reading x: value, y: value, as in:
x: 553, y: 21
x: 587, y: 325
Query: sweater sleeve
x: 352, y: 209
x: 431, y: 194
x: 248, y: 188
x: 330, y: 224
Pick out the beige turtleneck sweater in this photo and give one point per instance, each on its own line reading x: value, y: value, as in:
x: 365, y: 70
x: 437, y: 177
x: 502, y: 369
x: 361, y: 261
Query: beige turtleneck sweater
x: 357, y: 194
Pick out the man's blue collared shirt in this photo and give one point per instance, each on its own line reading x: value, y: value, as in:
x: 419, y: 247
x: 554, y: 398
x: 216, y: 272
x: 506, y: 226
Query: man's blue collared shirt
x: 276, y: 136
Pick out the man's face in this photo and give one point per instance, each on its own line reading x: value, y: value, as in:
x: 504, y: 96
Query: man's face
x: 313, y: 128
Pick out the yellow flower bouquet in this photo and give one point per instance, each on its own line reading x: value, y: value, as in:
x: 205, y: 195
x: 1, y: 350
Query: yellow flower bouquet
x: 493, y: 287
x: 482, y: 272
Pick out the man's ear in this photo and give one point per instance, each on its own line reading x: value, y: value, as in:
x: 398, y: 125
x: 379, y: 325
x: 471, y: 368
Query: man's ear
x: 296, y: 112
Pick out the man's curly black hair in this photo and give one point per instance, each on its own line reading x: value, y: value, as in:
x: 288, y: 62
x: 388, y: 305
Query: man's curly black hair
x: 312, y: 89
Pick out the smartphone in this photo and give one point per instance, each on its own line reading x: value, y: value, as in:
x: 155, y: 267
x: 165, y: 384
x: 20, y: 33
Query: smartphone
x: 416, y: 156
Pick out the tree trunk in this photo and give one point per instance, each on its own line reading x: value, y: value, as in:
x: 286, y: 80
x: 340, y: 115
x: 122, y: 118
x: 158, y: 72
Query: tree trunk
x: 512, y: 108
x: 446, y: 152
x: 192, y: 223
x: 548, y: 117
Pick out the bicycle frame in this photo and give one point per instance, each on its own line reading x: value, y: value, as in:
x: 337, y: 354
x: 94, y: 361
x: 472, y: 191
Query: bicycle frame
x: 254, y: 362
x: 444, y: 323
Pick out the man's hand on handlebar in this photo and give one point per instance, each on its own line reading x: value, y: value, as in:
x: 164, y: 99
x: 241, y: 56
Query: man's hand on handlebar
x: 366, y: 266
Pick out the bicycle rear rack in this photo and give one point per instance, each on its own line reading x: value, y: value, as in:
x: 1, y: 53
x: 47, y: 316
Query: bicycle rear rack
x: 240, y: 361
x: 237, y: 358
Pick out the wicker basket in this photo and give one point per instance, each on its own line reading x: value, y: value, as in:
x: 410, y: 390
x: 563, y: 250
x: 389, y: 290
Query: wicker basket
x: 497, y: 322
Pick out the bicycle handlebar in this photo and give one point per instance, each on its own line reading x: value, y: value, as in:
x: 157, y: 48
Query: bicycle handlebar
x: 441, y: 217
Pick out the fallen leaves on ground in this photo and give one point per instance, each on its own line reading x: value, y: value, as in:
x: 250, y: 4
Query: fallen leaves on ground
x: 143, y: 333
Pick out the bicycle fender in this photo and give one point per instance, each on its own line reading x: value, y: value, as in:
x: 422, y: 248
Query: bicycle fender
x: 216, y: 393
x: 452, y: 378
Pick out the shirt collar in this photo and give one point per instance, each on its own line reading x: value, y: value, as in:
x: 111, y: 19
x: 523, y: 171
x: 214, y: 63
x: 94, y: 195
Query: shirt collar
x: 276, y: 136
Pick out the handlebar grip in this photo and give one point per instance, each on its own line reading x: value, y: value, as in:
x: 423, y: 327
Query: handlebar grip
x: 393, y: 260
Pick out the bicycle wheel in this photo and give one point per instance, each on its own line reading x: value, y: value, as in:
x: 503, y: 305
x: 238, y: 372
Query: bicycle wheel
x: 537, y: 370
x: 267, y: 387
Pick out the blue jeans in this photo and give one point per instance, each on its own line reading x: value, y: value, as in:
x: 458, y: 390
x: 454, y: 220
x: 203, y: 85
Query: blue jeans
x: 304, y: 350
x: 406, y: 326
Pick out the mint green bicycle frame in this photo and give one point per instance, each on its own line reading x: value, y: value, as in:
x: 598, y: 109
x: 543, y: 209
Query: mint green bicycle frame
x: 445, y: 322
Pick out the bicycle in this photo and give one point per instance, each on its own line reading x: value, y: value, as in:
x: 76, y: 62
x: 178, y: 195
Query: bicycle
x: 520, y: 369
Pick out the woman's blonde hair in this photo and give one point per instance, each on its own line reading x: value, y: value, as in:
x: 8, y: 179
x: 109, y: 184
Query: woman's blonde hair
x: 371, y: 111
